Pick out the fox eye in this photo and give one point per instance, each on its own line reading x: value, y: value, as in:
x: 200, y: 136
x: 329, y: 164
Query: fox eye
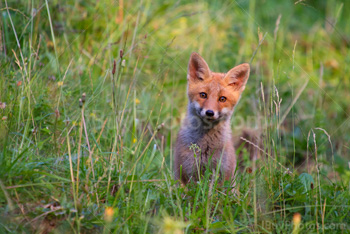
x: 203, y: 95
x: 222, y: 99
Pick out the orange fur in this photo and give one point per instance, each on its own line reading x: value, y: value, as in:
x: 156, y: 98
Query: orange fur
x: 212, y: 97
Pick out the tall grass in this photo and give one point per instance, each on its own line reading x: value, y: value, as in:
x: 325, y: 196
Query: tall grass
x: 92, y: 96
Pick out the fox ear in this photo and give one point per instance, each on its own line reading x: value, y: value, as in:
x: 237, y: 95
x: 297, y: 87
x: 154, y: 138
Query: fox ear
x: 237, y: 77
x: 198, y: 69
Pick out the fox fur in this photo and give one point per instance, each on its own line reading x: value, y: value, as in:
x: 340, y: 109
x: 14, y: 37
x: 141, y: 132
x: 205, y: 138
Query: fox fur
x: 212, y: 97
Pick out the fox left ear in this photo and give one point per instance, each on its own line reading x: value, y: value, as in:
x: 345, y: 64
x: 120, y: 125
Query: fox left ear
x: 237, y: 77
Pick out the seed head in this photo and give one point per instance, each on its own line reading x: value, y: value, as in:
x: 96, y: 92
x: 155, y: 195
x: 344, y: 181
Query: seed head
x: 114, y: 67
x: 83, y: 97
x: 57, y: 113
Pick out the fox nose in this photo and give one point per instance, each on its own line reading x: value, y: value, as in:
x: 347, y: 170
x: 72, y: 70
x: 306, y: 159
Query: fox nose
x: 209, y: 113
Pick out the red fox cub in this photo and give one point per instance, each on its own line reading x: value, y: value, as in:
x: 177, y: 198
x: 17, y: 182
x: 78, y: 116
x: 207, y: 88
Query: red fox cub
x: 211, y: 100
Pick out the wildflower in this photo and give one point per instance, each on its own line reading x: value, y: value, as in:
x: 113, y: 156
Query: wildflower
x: 34, y: 12
x: 296, y: 223
x: 52, y: 78
x: 173, y: 226
x: 109, y: 212
x: 49, y: 44
x: 296, y: 218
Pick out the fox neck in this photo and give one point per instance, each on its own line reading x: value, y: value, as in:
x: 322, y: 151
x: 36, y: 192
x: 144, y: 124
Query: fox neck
x: 198, y: 128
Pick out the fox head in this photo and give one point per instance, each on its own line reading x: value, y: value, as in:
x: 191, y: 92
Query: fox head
x: 213, y: 96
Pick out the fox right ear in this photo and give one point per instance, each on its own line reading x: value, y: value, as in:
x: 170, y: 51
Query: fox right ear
x: 198, y: 69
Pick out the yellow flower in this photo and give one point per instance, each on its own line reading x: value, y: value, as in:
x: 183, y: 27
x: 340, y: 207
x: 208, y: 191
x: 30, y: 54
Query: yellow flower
x: 296, y: 218
x: 134, y: 140
x: 49, y: 44
x: 137, y: 101
x: 172, y: 226
x: 60, y: 83
x: 109, y: 212
x: 296, y: 223
x: 75, y: 123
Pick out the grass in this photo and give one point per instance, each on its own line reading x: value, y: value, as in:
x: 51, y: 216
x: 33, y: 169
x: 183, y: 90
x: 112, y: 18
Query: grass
x: 93, y: 92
